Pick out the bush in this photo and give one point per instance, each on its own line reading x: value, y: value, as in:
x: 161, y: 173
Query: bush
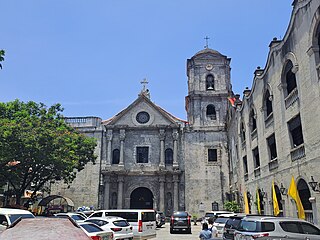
x: 232, y: 206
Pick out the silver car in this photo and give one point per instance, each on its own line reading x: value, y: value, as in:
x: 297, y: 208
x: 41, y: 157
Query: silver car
x: 266, y: 228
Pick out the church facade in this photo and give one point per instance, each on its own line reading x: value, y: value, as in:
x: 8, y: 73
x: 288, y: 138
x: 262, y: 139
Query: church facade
x: 147, y: 158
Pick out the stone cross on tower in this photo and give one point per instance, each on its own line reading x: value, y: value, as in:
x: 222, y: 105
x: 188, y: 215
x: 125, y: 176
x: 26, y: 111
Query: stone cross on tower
x: 144, y: 90
x: 207, y: 44
x: 144, y: 82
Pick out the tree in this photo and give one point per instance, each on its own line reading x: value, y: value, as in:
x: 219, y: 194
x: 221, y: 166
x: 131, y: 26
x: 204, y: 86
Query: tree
x: 2, y: 53
x: 232, y: 206
x: 37, y: 146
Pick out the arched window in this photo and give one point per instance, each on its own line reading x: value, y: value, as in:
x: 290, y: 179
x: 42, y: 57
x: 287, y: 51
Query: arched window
x: 210, y: 82
x: 116, y: 156
x: 304, y: 194
x: 268, y: 103
x: 211, y: 112
x: 253, y: 122
x: 168, y: 156
x: 290, y: 78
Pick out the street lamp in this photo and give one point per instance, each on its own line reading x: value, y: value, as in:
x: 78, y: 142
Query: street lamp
x: 283, y: 189
x: 263, y: 193
x: 314, y: 185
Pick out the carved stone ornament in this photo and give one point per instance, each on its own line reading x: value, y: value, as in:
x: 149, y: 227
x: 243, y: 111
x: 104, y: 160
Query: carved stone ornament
x: 122, y: 134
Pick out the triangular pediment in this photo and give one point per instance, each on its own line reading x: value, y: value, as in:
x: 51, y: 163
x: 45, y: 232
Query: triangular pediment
x: 142, y: 112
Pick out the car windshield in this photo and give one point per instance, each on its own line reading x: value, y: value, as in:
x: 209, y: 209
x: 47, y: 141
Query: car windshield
x: 209, y: 215
x: 121, y: 223
x: 14, y: 217
x: 233, y: 223
x: 180, y: 214
x: 221, y: 220
x: 77, y: 217
x: 91, y: 228
x: 97, y: 221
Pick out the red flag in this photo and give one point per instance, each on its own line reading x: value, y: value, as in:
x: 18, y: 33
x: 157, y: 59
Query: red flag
x: 232, y: 101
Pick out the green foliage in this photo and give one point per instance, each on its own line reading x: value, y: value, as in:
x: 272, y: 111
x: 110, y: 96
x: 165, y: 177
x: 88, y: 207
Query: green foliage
x: 2, y: 53
x: 232, y: 206
x: 44, y: 146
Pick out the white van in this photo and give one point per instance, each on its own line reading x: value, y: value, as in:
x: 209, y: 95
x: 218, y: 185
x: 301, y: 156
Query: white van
x: 143, y: 221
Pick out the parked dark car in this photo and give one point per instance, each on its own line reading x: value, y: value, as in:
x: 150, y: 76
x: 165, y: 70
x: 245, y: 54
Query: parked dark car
x: 160, y: 219
x: 180, y: 221
x: 231, y: 225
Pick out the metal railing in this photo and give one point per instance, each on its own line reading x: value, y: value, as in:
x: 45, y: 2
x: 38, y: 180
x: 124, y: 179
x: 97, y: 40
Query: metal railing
x: 297, y: 152
x: 273, y: 164
x: 291, y: 98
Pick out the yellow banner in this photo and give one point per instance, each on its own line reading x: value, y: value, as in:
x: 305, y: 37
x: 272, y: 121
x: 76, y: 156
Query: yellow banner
x: 276, y: 209
x: 246, y: 203
x: 293, y: 192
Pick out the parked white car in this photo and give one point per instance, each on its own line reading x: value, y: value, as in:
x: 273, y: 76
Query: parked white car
x: 119, y: 226
x: 143, y: 221
x: 95, y: 232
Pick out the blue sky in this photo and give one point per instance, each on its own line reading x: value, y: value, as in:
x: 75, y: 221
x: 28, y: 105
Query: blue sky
x: 90, y: 56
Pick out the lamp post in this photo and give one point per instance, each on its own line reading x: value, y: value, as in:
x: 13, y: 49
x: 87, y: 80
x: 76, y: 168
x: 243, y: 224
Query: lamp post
x: 314, y: 185
x: 283, y: 189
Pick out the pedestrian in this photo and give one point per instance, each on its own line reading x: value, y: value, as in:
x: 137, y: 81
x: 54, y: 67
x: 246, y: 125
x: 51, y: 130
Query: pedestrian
x: 205, y: 233
x: 212, y: 228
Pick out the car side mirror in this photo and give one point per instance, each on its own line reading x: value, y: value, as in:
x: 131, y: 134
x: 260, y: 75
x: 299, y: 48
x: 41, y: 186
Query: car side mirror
x: 5, y: 223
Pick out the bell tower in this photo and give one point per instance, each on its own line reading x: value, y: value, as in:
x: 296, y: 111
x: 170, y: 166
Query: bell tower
x: 205, y: 138
x: 209, y: 86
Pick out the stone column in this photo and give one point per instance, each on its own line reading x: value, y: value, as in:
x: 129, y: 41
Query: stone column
x: 161, y: 199
x: 175, y: 136
x: 120, y: 192
x: 175, y: 192
x: 122, y: 137
x: 162, y: 137
x: 104, y: 150
x: 314, y: 210
x: 106, y: 203
x: 109, y: 143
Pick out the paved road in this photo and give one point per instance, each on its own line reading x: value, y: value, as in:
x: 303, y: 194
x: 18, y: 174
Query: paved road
x: 163, y: 233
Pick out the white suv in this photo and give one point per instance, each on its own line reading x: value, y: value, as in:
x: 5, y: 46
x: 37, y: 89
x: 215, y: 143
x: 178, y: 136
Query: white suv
x: 264, y: 228
x: 9, y: 215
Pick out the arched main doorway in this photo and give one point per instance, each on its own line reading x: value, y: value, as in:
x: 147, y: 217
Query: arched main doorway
x: 141, y: 198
